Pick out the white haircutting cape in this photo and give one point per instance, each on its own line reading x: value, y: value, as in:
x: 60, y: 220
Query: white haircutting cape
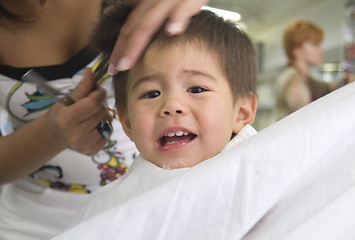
x: 293, y: 180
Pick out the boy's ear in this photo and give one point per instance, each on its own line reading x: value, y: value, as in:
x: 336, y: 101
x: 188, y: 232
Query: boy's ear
x: 126, y: 125
x: 245, y: 112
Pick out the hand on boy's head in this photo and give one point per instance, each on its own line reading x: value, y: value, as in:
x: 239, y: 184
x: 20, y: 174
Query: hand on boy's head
x: 74, y: 126
x: 145, y: 19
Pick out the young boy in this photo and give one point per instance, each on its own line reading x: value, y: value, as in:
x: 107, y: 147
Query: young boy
x: 186, y: 96
x: 182, y: 102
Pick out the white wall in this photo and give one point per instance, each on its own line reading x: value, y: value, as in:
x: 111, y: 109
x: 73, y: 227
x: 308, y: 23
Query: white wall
x: 327, y: 14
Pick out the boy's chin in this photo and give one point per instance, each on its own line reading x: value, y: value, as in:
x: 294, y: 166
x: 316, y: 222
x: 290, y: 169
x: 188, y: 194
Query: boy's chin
x: 178, y: 163
x: 174, y: 165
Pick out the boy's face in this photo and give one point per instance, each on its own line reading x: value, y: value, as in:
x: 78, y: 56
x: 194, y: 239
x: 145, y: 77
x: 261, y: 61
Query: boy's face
x: 180, y: 109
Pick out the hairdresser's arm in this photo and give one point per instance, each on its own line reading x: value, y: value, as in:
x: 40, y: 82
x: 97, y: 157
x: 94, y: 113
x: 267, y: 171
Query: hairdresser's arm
x: 146, y: 18
x: 348, y: 77
x: 74, y: 127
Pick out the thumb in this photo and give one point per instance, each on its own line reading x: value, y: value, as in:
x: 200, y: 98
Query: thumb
x: 84, y: 87
x: 179, y: 18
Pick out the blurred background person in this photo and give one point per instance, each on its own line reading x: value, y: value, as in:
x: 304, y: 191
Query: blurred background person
x: 295, y: 87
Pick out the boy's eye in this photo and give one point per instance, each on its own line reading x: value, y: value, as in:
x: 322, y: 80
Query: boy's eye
x: 197, y: 90
x: 151, y: 94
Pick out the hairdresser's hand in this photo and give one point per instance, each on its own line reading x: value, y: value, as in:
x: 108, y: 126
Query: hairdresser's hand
x: 74, y: 126
x: 350, y: 77
x: 61, y: 127
x: 146, y: 18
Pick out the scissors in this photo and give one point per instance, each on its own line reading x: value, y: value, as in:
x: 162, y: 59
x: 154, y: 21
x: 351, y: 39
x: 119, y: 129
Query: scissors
x: 104, y: 127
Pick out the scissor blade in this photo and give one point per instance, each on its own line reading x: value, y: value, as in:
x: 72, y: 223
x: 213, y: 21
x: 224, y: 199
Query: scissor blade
x: 34, y: 77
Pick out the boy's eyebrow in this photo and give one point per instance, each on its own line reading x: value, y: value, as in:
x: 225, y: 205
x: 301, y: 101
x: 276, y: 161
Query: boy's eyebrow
x: 195, y: 72
x: 155, y: 76
x: 143, y: 79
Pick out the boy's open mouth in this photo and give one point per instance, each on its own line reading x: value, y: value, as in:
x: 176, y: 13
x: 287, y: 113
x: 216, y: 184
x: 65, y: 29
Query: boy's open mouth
x: 176, y: 137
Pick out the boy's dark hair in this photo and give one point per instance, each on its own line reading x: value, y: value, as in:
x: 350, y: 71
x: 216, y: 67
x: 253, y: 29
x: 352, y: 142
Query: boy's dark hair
x: 231, y: 46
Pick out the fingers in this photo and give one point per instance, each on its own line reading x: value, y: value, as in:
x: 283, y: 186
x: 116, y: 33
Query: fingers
x: 135, y: 34
x: 98, y: 146
x: 179, y: 19
x: 145, y: 19
x: 91, y: 145
x: 84, y: 87
x: 87, y: 101
x: 88, y: 140
x: 88, y: 106
x: 77, y: 133
x: 74, y: 126
x: 90, y: 123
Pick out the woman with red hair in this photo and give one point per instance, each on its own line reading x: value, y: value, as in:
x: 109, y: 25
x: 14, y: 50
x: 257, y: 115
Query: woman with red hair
x: 295, y: 88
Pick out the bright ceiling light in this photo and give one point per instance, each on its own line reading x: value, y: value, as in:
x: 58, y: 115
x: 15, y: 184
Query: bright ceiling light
x: 228, y: 15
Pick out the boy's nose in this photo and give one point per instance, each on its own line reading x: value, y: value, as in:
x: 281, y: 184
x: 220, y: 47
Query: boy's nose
x: 171, y: 107
x: 167, y: 112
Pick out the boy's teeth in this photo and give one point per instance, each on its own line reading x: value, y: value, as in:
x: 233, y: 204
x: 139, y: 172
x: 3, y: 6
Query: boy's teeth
x: 178, y: 134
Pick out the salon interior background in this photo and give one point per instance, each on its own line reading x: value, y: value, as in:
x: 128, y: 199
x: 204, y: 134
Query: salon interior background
x: 265, y: 21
